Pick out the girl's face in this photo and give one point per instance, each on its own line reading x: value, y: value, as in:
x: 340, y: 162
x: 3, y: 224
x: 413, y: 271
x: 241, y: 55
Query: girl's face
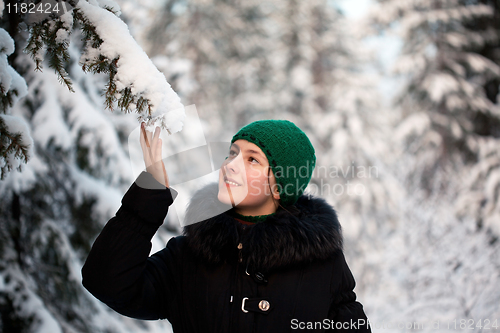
x: 244, y: 180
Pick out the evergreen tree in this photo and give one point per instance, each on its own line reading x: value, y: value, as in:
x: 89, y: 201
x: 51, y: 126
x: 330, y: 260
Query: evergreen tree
x: 444, y: 99
x: 15, y: 142
x: 481, y: 199
x: 78, y: 168
x: 450, y: 106
x: 442, y: 264
x: 134, y: 84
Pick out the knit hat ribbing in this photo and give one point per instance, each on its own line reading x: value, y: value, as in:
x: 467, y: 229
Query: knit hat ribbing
x: 290, y: 154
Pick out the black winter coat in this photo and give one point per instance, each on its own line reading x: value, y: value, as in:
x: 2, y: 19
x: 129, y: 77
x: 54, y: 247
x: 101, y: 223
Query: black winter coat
x: 282, y: 275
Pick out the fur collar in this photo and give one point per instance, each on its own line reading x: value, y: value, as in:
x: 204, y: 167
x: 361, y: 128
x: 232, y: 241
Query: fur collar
x: 311, y: 232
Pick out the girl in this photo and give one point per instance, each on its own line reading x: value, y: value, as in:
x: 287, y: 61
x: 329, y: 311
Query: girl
x: 272, y: 262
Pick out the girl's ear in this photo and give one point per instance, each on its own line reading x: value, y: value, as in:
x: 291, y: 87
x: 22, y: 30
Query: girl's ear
x: 275, y: 187
x: 276, y: 193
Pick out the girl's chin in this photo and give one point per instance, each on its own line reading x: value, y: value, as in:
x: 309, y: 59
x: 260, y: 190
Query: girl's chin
x: 224, y: 197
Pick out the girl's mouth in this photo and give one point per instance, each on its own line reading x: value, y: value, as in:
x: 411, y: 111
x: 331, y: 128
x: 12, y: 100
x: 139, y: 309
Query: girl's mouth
x: 231, y: 182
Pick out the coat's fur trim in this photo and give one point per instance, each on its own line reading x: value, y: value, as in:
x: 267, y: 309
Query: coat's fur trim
x: 312, y: 233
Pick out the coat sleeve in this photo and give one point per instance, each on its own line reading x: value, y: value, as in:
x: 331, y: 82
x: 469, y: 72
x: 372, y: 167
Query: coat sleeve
x: 346, y: 314
x: 118, y: 270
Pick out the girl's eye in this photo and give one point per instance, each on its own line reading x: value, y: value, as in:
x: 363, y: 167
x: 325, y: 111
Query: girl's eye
x: 232, y: 153
x: 253, y: 159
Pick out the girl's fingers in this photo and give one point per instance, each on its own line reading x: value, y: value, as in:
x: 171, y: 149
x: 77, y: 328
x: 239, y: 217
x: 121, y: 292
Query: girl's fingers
x: 154, y: 144
x: 156, y: 138
x: 146, y: 145
x: 141, y: 135
x: 158, y: 150
x: 143, y: 139
x: 151, y: 145
x: 157, y: 133
x: 150, y: 137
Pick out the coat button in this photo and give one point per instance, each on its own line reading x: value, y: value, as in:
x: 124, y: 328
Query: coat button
x: 240, y: 246
x: 264, y: 305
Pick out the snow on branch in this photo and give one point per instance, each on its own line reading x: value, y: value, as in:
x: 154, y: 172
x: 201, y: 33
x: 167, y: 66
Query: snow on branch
x: 16, y: 144
x: 12, y: 85
x: 15, y: 140
x: 134, y: 83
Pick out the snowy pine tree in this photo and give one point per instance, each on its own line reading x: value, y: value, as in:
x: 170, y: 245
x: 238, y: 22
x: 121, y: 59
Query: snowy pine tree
x: 78, y: 168
x: 134, y: 84
x: 444, y: 99
x: 15, y: 142
x: 482, y: 199
x: 443, y: 256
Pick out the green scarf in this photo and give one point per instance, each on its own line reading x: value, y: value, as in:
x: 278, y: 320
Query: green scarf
x: 251, y: 219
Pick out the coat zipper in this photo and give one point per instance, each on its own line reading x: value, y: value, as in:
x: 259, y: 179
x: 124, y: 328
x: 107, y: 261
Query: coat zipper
x: 234, y: 280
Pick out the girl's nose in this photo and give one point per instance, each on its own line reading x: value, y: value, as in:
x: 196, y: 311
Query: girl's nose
x: 234, y: 165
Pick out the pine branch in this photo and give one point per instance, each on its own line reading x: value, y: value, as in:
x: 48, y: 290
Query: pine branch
x: 11, y: 147
x: 45, y: 34
x: 6, y: 99
x: 124, y: 98
x: 90, y: 36
x: 35, y: 45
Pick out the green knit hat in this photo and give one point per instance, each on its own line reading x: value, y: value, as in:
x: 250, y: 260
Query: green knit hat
x: 289, y: 152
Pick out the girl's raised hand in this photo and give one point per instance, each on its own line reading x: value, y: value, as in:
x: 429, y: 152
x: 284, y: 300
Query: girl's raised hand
x: 151, y: 151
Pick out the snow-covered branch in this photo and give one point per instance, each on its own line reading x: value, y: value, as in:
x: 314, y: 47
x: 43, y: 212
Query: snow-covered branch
x: 15, y: 141
x: 134, y: 83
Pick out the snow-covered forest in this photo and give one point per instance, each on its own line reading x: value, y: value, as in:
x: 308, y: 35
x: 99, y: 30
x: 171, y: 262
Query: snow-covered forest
x: 408, y: 149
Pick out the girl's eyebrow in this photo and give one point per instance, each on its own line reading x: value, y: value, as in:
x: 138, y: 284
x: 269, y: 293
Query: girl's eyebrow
x: 254, y: 152
x: 251, y: 151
